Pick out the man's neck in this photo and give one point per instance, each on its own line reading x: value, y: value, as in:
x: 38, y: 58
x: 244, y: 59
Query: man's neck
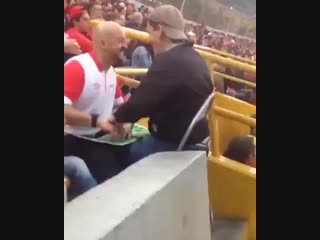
x: 105, y: 63
x: 79, y: 29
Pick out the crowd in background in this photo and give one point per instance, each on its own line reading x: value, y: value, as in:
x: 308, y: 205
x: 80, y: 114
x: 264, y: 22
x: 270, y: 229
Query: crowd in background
x: 127, y: 14
x: 235, y: 45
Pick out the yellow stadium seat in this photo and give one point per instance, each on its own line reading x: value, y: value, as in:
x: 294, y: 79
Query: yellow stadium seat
x: 232, y: 192
x: 230, y: 128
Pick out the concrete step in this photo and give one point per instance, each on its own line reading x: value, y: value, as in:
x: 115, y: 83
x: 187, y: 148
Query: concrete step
x: 226, y: 229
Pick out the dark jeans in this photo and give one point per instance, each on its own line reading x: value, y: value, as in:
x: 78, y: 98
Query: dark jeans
x: 150, y: 144
x: 104, y: 161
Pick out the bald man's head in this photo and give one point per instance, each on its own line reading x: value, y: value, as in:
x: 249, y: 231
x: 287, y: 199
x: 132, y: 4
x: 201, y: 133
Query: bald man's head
x: 108, y: 41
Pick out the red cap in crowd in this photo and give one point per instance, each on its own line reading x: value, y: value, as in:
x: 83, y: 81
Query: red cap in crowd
x: 67, y: 8
x: 74, y: 11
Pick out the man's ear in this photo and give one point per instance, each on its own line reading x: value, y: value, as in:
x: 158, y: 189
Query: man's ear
x: 104, y: 44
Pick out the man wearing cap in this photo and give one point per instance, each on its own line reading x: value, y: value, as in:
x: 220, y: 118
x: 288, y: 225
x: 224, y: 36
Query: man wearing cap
x: 177, y: 84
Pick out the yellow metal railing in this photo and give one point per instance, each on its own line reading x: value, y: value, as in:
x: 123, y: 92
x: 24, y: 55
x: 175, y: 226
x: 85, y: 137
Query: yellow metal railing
x: 127, y: 71
x: 235, y: 79
x: 228, y: 178
x: 130, y: 82
x: 233, y: 117
x: 232, y: 192
x: 225, y: 54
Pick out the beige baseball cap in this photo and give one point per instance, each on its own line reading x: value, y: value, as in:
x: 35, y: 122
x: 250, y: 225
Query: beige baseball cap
x: 171, y: 20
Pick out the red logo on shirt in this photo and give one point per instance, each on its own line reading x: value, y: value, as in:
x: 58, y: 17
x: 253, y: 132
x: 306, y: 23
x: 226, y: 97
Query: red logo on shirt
x: 96, y: 86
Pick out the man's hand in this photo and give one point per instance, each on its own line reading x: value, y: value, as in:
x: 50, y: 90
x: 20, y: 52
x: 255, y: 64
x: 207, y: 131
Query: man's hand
x: 71, y: 46
x: 106, y: 125
x: 120, y: 131
x: 128, y: 130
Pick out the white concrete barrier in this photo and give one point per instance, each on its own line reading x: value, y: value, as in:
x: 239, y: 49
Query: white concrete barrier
x: 65, y: 194
x: 162, y: 197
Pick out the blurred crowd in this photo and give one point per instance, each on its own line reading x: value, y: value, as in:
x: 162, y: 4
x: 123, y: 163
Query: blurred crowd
x: 127, y: 14
x: 77, y: 15
x: 233, y: 44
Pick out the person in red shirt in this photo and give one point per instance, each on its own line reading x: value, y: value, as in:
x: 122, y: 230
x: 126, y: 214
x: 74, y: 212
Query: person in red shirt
x: 90, y: 93
x: 80, y: 28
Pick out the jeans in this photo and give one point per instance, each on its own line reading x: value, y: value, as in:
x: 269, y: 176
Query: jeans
x: 79, y: 174
x: 149, y: 145
x: 103, y: 160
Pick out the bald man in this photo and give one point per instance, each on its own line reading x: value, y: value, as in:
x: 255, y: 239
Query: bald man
x: 90, y: 93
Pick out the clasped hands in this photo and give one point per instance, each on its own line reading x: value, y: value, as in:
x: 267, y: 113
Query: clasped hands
x: 118, y: 131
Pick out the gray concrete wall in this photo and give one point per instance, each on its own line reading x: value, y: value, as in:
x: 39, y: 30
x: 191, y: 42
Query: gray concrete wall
x: 162, y: 197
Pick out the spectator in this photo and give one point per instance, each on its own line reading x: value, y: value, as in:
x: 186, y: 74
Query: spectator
x: 90, y: 94
x: 106, y: 8
x: 175, y: 87
x: 141, y: 57
x: 71, y: 46
x: 116, y: 17
x: 242, y: 149
x: 121, y: 8
x: 95, y: 10
x: 135, y: 21
x: 80, y: 27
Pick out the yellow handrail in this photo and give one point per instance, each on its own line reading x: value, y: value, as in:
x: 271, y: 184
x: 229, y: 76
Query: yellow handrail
x: 235, y: 79
x: 228, y: 62
x: 126, y: 71
x: 234, y: 116
x: 225, y: 54
x: 130, y: 82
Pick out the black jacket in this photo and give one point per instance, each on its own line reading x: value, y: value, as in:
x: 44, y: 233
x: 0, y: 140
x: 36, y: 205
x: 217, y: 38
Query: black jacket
x: 175, y: 87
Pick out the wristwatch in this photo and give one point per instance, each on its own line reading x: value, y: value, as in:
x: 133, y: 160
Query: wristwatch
x: 94, y: 119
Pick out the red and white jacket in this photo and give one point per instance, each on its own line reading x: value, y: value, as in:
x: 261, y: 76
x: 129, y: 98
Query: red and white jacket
x: 89, y: 88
